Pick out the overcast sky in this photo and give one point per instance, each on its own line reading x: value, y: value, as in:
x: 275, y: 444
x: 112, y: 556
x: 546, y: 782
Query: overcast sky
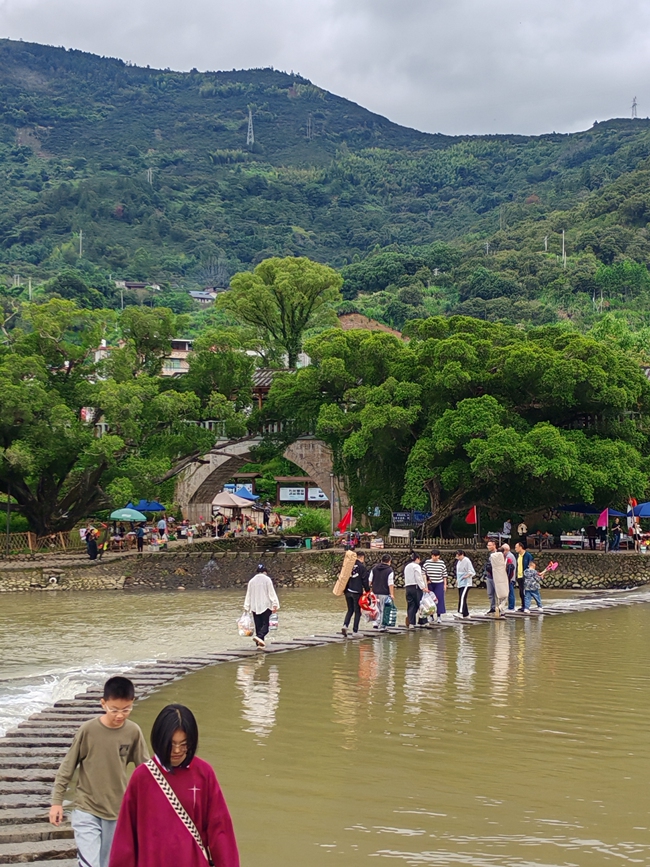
x: 452, y: 66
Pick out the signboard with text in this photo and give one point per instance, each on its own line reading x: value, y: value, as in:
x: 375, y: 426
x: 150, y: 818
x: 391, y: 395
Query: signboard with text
x: 292, y: 495
x: 316, y: 495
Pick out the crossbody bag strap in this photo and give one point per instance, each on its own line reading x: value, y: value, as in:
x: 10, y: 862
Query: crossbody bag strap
x: 178, y: 808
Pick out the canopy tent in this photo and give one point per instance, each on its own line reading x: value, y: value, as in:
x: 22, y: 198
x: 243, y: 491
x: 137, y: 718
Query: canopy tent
x: 583, y: 509
x: 127, y: 515
x: 246, y: 495
x: 147, y: 506
x: 230, y: 501
x: 642, y: 510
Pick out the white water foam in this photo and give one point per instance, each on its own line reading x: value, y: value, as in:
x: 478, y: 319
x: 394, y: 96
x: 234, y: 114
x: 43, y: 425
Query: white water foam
x: 21, y: 697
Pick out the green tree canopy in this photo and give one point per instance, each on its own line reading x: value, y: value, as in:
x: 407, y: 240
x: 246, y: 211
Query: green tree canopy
x: 283, y: 298
x: 52, y: 463
x: 471, y: 412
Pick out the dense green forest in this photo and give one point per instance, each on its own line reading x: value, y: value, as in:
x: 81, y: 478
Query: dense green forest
x: 153, y: 167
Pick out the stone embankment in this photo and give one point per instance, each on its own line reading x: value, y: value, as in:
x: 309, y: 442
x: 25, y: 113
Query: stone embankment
x: 213, y: 565
x: 31, y: 753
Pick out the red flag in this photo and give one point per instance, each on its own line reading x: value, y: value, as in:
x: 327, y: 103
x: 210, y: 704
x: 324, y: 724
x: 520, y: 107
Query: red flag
x: 346, y: 521
x: 470, y: 517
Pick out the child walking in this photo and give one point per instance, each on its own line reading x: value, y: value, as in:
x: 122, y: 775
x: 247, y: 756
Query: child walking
x: 532, y: 581
x: 101, y: 749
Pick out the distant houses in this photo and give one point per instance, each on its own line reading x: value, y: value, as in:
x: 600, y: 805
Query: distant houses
x: 176, y: 363
x: 204, y: 297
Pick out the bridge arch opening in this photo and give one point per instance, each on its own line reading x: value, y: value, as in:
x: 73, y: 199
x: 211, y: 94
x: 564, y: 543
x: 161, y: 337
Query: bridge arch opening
x: 200, y: 482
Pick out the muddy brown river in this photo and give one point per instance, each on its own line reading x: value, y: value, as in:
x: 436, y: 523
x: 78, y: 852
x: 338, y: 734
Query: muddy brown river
x: 493, y: 745
x: 518, y: 744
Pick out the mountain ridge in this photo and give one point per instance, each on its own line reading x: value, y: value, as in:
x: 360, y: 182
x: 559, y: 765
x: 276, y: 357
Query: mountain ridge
x: 153, y: 167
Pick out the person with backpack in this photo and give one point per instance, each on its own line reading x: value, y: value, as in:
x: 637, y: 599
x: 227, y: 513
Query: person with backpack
x: 382, y: 584
x: 357, y: 585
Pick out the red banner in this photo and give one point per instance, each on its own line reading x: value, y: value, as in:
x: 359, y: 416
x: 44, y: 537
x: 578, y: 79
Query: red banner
x: 470, y: 517
x: 346, y: 521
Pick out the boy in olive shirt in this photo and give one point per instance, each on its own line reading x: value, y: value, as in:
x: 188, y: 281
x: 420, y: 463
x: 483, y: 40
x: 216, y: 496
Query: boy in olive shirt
x: 101, y: 750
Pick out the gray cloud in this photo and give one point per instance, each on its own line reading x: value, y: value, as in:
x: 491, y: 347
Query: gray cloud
x: 453, y: 66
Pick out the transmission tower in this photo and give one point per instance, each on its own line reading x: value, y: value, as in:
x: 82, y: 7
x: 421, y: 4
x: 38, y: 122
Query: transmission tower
x: 634, y: 107
x: 309, y: 128
x: 250, y: 135
x: 150, y: 176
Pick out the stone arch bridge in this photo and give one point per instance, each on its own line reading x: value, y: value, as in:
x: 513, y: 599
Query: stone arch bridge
x: 201, y: 481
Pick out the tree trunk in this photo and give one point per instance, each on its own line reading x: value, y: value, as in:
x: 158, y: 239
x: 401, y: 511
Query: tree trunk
x: 440, y: 510
x: 48, y: 511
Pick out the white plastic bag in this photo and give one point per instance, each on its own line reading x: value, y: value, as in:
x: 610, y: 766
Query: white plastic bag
x: 428, y: 604
x: 274, y: 620
x: 246, y: 625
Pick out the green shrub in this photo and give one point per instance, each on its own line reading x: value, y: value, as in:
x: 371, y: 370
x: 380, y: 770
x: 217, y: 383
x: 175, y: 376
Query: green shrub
x: 313, y: 522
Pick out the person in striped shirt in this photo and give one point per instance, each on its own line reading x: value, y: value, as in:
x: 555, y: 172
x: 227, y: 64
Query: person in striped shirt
x: 435, y: 573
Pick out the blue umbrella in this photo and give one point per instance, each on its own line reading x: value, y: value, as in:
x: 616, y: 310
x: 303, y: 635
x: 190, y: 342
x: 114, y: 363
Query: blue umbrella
x: 642, y: 510
x: 246, y: 494
x: 147, y: 506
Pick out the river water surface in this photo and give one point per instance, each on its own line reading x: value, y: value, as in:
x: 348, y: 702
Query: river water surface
x: 493, y: 745
x: 518, y: 744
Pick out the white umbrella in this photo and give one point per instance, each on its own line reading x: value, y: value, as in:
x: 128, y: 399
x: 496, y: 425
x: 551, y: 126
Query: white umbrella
x: 226, y: 500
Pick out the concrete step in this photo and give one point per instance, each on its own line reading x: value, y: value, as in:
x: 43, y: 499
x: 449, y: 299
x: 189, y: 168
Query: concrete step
x: 34, y: 763
x: 66, y: 862
x: 17, y: 801
x: 23, y: 816
x: 34, y: 832
x: 9, y: 788
x: 31, y: 750
x: 21, y: 853
x: 35, y: 741
x: 79, y: 705
x: 27, y: 775
x: 44, y: 729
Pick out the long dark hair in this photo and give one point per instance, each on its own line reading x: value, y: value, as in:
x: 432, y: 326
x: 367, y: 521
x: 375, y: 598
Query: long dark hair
x: 168, y: 721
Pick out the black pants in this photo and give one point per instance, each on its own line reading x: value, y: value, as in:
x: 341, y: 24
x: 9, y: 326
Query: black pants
x: 353, y: 609
x: 413, y: 599
x: 463, y: 593
x: 592, y: 543
x: 262, y: 623
x: 520, y: 586
x: 140, y: 541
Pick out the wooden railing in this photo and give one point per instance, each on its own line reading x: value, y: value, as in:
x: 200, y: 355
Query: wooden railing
x: 30, y: 543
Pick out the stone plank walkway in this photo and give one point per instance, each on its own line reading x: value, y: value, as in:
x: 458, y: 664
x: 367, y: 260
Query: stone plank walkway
x: 31, y: 753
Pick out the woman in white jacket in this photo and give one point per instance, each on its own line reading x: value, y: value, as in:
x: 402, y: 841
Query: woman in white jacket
x: 261, y: 600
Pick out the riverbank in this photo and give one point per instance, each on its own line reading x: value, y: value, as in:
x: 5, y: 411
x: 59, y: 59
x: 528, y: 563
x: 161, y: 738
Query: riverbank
x: 212, y: 567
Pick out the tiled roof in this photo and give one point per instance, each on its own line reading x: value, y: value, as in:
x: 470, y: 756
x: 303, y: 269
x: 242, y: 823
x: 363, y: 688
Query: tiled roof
x: 263, y: 376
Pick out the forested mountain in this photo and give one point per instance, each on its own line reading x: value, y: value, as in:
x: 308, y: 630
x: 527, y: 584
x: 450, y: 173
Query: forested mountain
x: 154, y: 168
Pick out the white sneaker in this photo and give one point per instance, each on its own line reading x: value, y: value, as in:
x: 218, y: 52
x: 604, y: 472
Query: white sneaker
x: 539, y: 608
x: 526, y: 610
x: 259, y: 641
